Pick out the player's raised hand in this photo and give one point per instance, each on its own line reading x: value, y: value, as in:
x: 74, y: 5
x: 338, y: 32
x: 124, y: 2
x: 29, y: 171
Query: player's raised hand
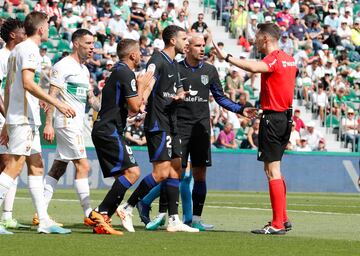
x: 250, y: 112
x: 4, y: 138
x: 180, y: 96
x: 146, y: 79
x: 220, y: 53
x: 68, y: 111
x: 49, y: 133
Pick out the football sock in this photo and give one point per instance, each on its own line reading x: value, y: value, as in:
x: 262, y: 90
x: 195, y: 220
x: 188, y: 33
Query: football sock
x: 163, y: 202
x: 198, y: 197
x: 284, y: 214
x: 83, y: 191
x: 277, y: 197
x: 36, y: 187
x: 49, y: 188
x: 9, y: 201
x: 147, y: 183
x: 172, y: 188
x: 6, y: 182
x: 115, y: 195
x: 186, y: 199
x: 152, y: 195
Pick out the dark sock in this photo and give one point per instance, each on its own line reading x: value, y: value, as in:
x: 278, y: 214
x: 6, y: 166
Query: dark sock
x: 115, y: 195
x: 163, y: 202
x: 172, y: 188
x: 142, y: 190
x: 198, y: 197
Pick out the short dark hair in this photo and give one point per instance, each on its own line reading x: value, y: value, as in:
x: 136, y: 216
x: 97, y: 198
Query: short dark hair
x: 124, y: 47
x: 171, y: 32
x: 80, y: 33
x: 10, y: 25
x: 270, y: 28
x: 32, y: 21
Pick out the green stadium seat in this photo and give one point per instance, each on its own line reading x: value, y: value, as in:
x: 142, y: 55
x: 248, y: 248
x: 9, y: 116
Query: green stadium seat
x: 5, y: 15
x: 332, y: 121
x: 63, y: 45
x: 21, y: 16
x: 48, y: 44
x: 352, y: 95
x: 53, y: 32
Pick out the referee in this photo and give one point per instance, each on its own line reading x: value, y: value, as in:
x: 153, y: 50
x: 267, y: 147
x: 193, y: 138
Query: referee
x: 277, y: 89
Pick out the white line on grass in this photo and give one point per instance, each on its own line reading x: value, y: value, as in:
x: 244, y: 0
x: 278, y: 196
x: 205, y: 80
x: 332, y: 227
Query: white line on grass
x: 291, y: 204
x: 222, y: 207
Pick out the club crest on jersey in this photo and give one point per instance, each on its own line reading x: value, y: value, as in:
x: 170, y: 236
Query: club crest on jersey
x: 151, y: 67
x: 133, y: 85
x: 204, y: 79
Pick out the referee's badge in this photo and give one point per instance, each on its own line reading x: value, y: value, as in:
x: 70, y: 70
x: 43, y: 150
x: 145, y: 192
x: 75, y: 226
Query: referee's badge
x: 204, y: 79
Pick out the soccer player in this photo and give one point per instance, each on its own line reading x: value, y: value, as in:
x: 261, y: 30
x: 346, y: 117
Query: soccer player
x: 198, y: 79
x: 12, y: 32
x: 70, y: 82
x: 20, y: 132
x: 278, y: 72
x: 121, y: 93
x: 161, y: 131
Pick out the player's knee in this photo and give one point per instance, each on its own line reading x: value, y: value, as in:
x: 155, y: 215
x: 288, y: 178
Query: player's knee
x: 134, y: 173
x: 58, y: 169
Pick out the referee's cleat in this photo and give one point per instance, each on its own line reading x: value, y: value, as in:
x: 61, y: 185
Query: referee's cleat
x: 269, y: 230
x: 288, y: 226
x: 144, y: 212
x: 14, y: 224
x: 36, y: 221
x: 201, y: 226
x: 157, y: 222
x: 3, y: 231
x: 126, y: 217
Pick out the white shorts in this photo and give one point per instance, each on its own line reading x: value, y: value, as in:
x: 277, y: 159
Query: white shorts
x: 70, y: 144
x: 24, y: 140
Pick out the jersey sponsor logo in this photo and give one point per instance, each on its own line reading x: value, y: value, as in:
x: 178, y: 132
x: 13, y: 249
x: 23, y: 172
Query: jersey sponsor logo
x: 195, y: 99
x: 133, y: 85
x: 288, y: 63
x: 192, y: 92
x: 204, y: 79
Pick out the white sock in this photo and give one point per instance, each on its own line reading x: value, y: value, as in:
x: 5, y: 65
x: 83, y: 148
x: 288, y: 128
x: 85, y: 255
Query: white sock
x: 9, y: 201
x: 196, y: 218
x: 36, y: 187
x: 83, y: 191
x: 174, y: 219
x: 128, y: 208
x: 6, y: 182
x: 49, y: 189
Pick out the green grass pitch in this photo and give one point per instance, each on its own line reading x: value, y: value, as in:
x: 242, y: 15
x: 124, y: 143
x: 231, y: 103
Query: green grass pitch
x: 324, y: 224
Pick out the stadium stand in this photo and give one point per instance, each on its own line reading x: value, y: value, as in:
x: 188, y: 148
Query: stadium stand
x: 324, y: 39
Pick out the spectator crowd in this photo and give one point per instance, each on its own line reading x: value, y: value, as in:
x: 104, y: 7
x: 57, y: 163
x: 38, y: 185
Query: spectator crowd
x: 322, y: 35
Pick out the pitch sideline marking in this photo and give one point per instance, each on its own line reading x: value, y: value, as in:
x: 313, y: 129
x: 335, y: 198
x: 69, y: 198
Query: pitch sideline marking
x: 225, y: 207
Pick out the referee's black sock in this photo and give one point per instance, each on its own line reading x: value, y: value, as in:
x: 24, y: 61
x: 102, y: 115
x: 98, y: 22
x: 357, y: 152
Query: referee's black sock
x: 198, y: 197
x: 115, y: 195
x: 172, y: 188
x: 163, y: 202
x: 142, y: 190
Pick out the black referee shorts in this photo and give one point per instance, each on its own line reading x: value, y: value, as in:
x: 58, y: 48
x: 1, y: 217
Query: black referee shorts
x: 163, y: 146
x: 274, y: 134
x: 113, y: 153
x: 195, y: 141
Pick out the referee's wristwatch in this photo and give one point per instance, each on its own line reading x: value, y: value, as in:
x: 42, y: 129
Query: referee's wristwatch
x: 227, y: 57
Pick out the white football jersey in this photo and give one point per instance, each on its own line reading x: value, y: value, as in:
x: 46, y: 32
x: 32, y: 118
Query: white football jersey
x: 23, y: 107
x: 4, y: 56
x: 73, y: 80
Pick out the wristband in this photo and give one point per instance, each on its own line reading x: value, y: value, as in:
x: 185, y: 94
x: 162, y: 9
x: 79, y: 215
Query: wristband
x: 227, y: 57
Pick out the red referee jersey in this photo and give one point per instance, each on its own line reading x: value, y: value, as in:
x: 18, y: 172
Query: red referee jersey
x: 277, y: 85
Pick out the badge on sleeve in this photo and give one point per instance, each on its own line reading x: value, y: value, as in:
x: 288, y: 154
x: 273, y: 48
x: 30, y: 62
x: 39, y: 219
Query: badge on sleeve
x: 133, y: 85
x: 151, y: 67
